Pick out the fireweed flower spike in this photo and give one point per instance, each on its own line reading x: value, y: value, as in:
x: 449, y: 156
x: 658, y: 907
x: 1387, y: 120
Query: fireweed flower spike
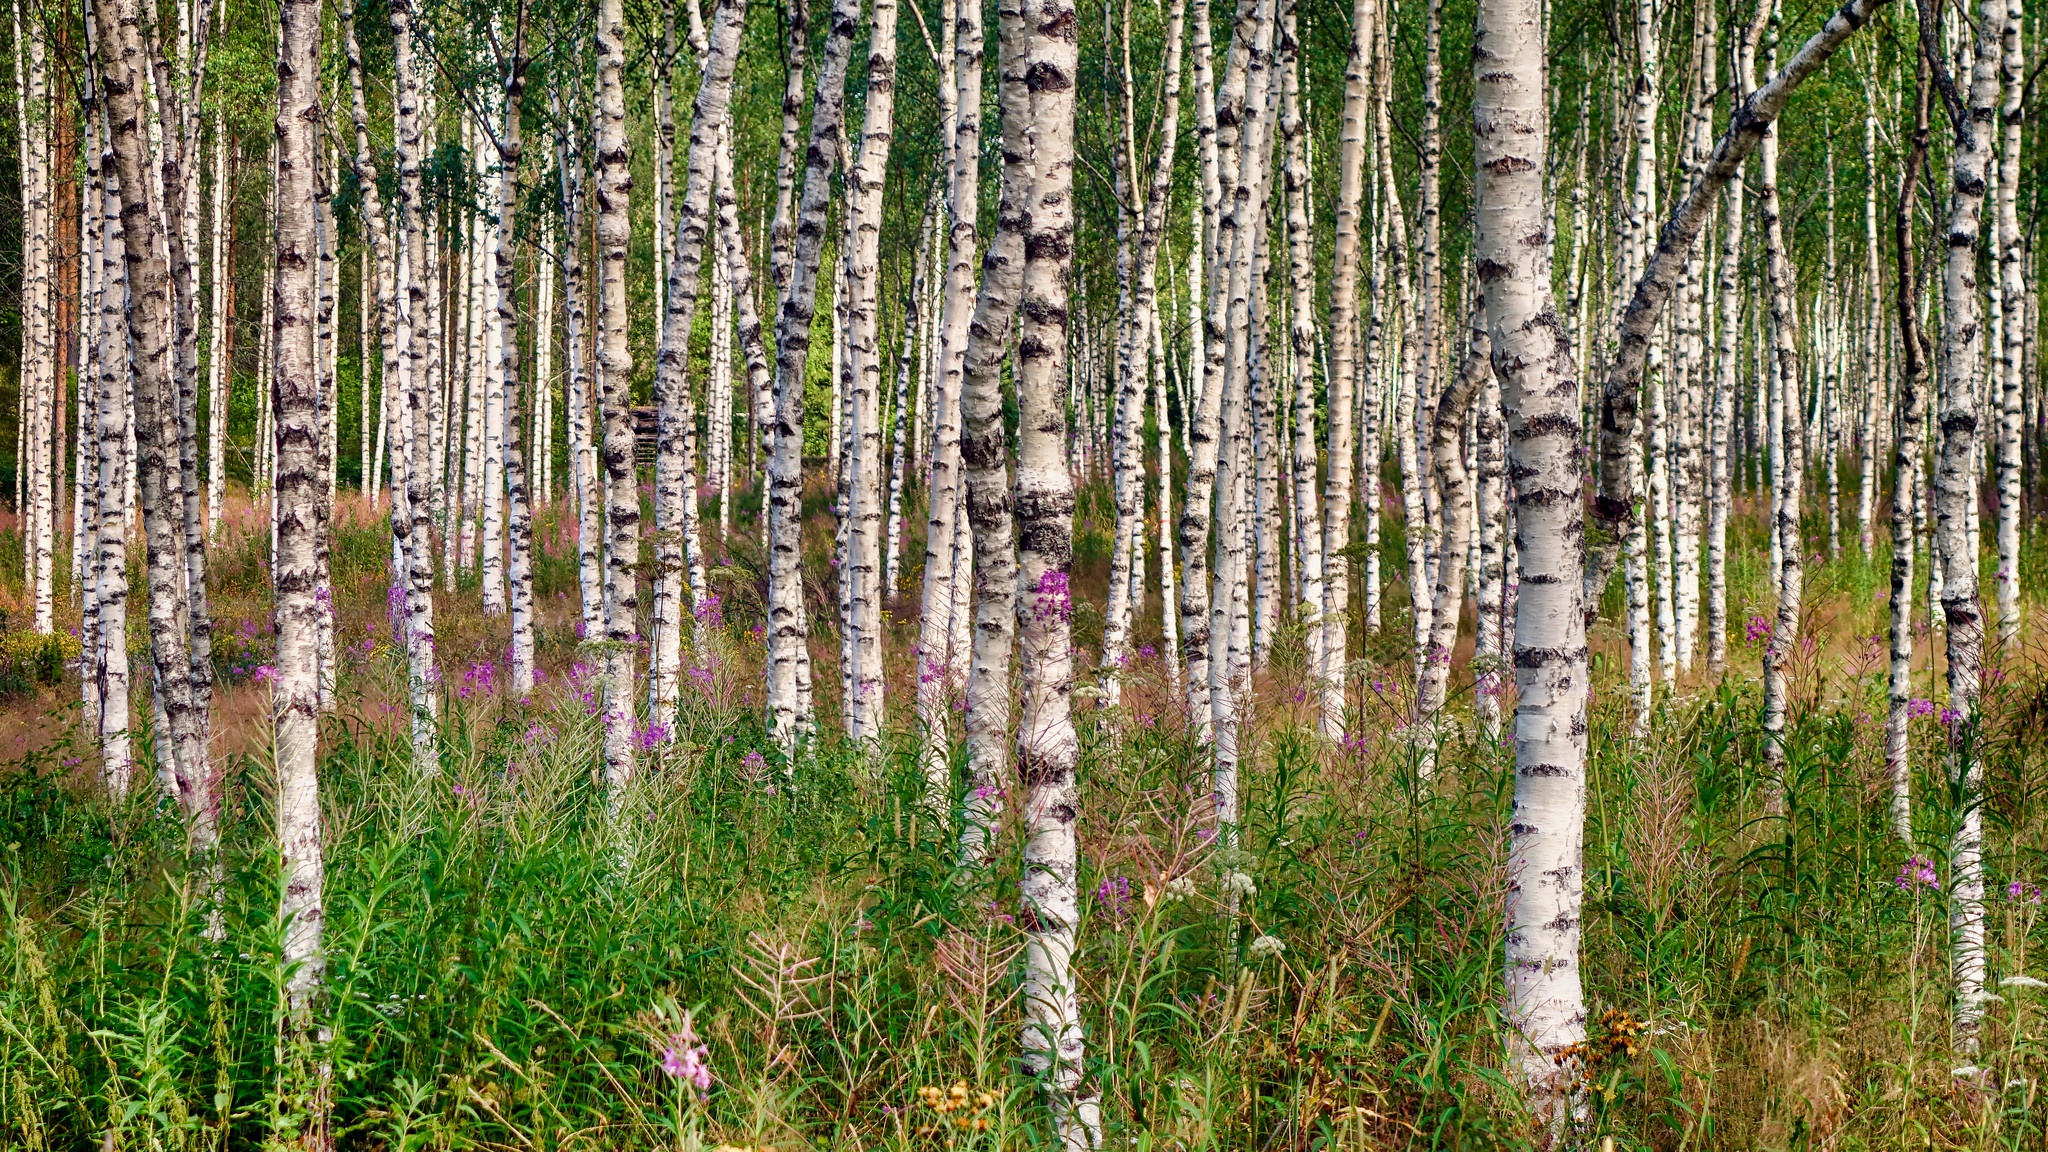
x: 1917, y: 872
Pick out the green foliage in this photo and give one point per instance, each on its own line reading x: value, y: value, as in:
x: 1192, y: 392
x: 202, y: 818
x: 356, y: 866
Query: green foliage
x: 512, y: 955
x: 28, y: 659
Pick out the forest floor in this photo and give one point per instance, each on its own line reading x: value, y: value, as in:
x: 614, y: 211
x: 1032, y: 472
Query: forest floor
x: 508, y: 967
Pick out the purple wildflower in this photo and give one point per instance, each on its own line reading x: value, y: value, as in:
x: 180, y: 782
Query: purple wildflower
x: 1917, y: 872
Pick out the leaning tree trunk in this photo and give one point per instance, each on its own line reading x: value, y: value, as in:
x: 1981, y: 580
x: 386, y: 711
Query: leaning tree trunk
x: 1614, y: 500
x: 154, y: 405
x: 1955, y: 483
x: 788, y: 649
x: 1532, y: 353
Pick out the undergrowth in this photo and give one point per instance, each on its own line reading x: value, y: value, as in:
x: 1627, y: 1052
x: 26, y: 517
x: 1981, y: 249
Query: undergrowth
x: 746, y: 952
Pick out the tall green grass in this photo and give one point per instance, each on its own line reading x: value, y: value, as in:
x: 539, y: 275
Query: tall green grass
x: 512, y: 954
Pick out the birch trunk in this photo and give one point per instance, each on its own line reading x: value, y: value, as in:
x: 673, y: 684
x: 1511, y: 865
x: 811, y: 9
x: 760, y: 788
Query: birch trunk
x: 788, y: 648
x: 301, y: 516
x: 582, y: 445
x: 415, y: 336
x: 1216, y: 132
x: 1722, y: 425
x: 110, y: 532
x: 674, y: 524
x: 1788, y: 477
x: 1955, y: 484
x: 519, y: 518
x: 614, y: 378
x: 984, y: 449
x: 148, y: 319
x: 1048, y: 749
x: 1488, y: 649
x: 1230, y: 337
x: 1454, y: 482
x: 1308, y: 535
x: 1127, y: 460
x: 1334, y: 644
x: 217, y: 364
x: 2007, y: 399
x: 865, y: 186
x: 1909, y: 416
x: 1532, y: 353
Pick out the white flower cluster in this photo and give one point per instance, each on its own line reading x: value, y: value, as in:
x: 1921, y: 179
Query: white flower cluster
x: 1265, y: 947
x: 1238, y: 884
x: 1179, y: 888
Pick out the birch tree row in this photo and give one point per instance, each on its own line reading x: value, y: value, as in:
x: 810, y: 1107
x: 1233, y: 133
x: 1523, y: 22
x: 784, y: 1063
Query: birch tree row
x: 1221, y: 347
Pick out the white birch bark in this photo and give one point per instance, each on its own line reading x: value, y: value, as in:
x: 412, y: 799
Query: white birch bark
x: 865, y: 186
x: 1308, y: 535
x: 674, y: 522
x: 1533, y: 354
x: 1333, y: 645
x: 1454, y: 482
x: 1721, y: 435
x: 1489, y: 651
x: 614, y: 376
x: 1048, y: 749
x: 1955, y: 481
x: 519, y: 518
x: 498, y: 237
x: 985, y: 454
x: 1788, y: 473
x: 580, y: 431
x: 110, y: 532
x: 415, y: 336
x: 148, y: 316
x: 217, y: 346
x: 1127, y: 451
x: 2006, y: 400
x: 301, y: 518
x: 38, y: 368
x: 1230, y: 349
x: 1910, y: 415
x: 788, y: 649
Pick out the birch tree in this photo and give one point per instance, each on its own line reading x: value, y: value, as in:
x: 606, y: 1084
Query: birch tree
x: 865, y: 185
x: 1532, y: 353
x: 614, y: 375
x: 148, y: 319
x: 301, y: 517
x: 788, y: 649
x: 1972, y: 112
